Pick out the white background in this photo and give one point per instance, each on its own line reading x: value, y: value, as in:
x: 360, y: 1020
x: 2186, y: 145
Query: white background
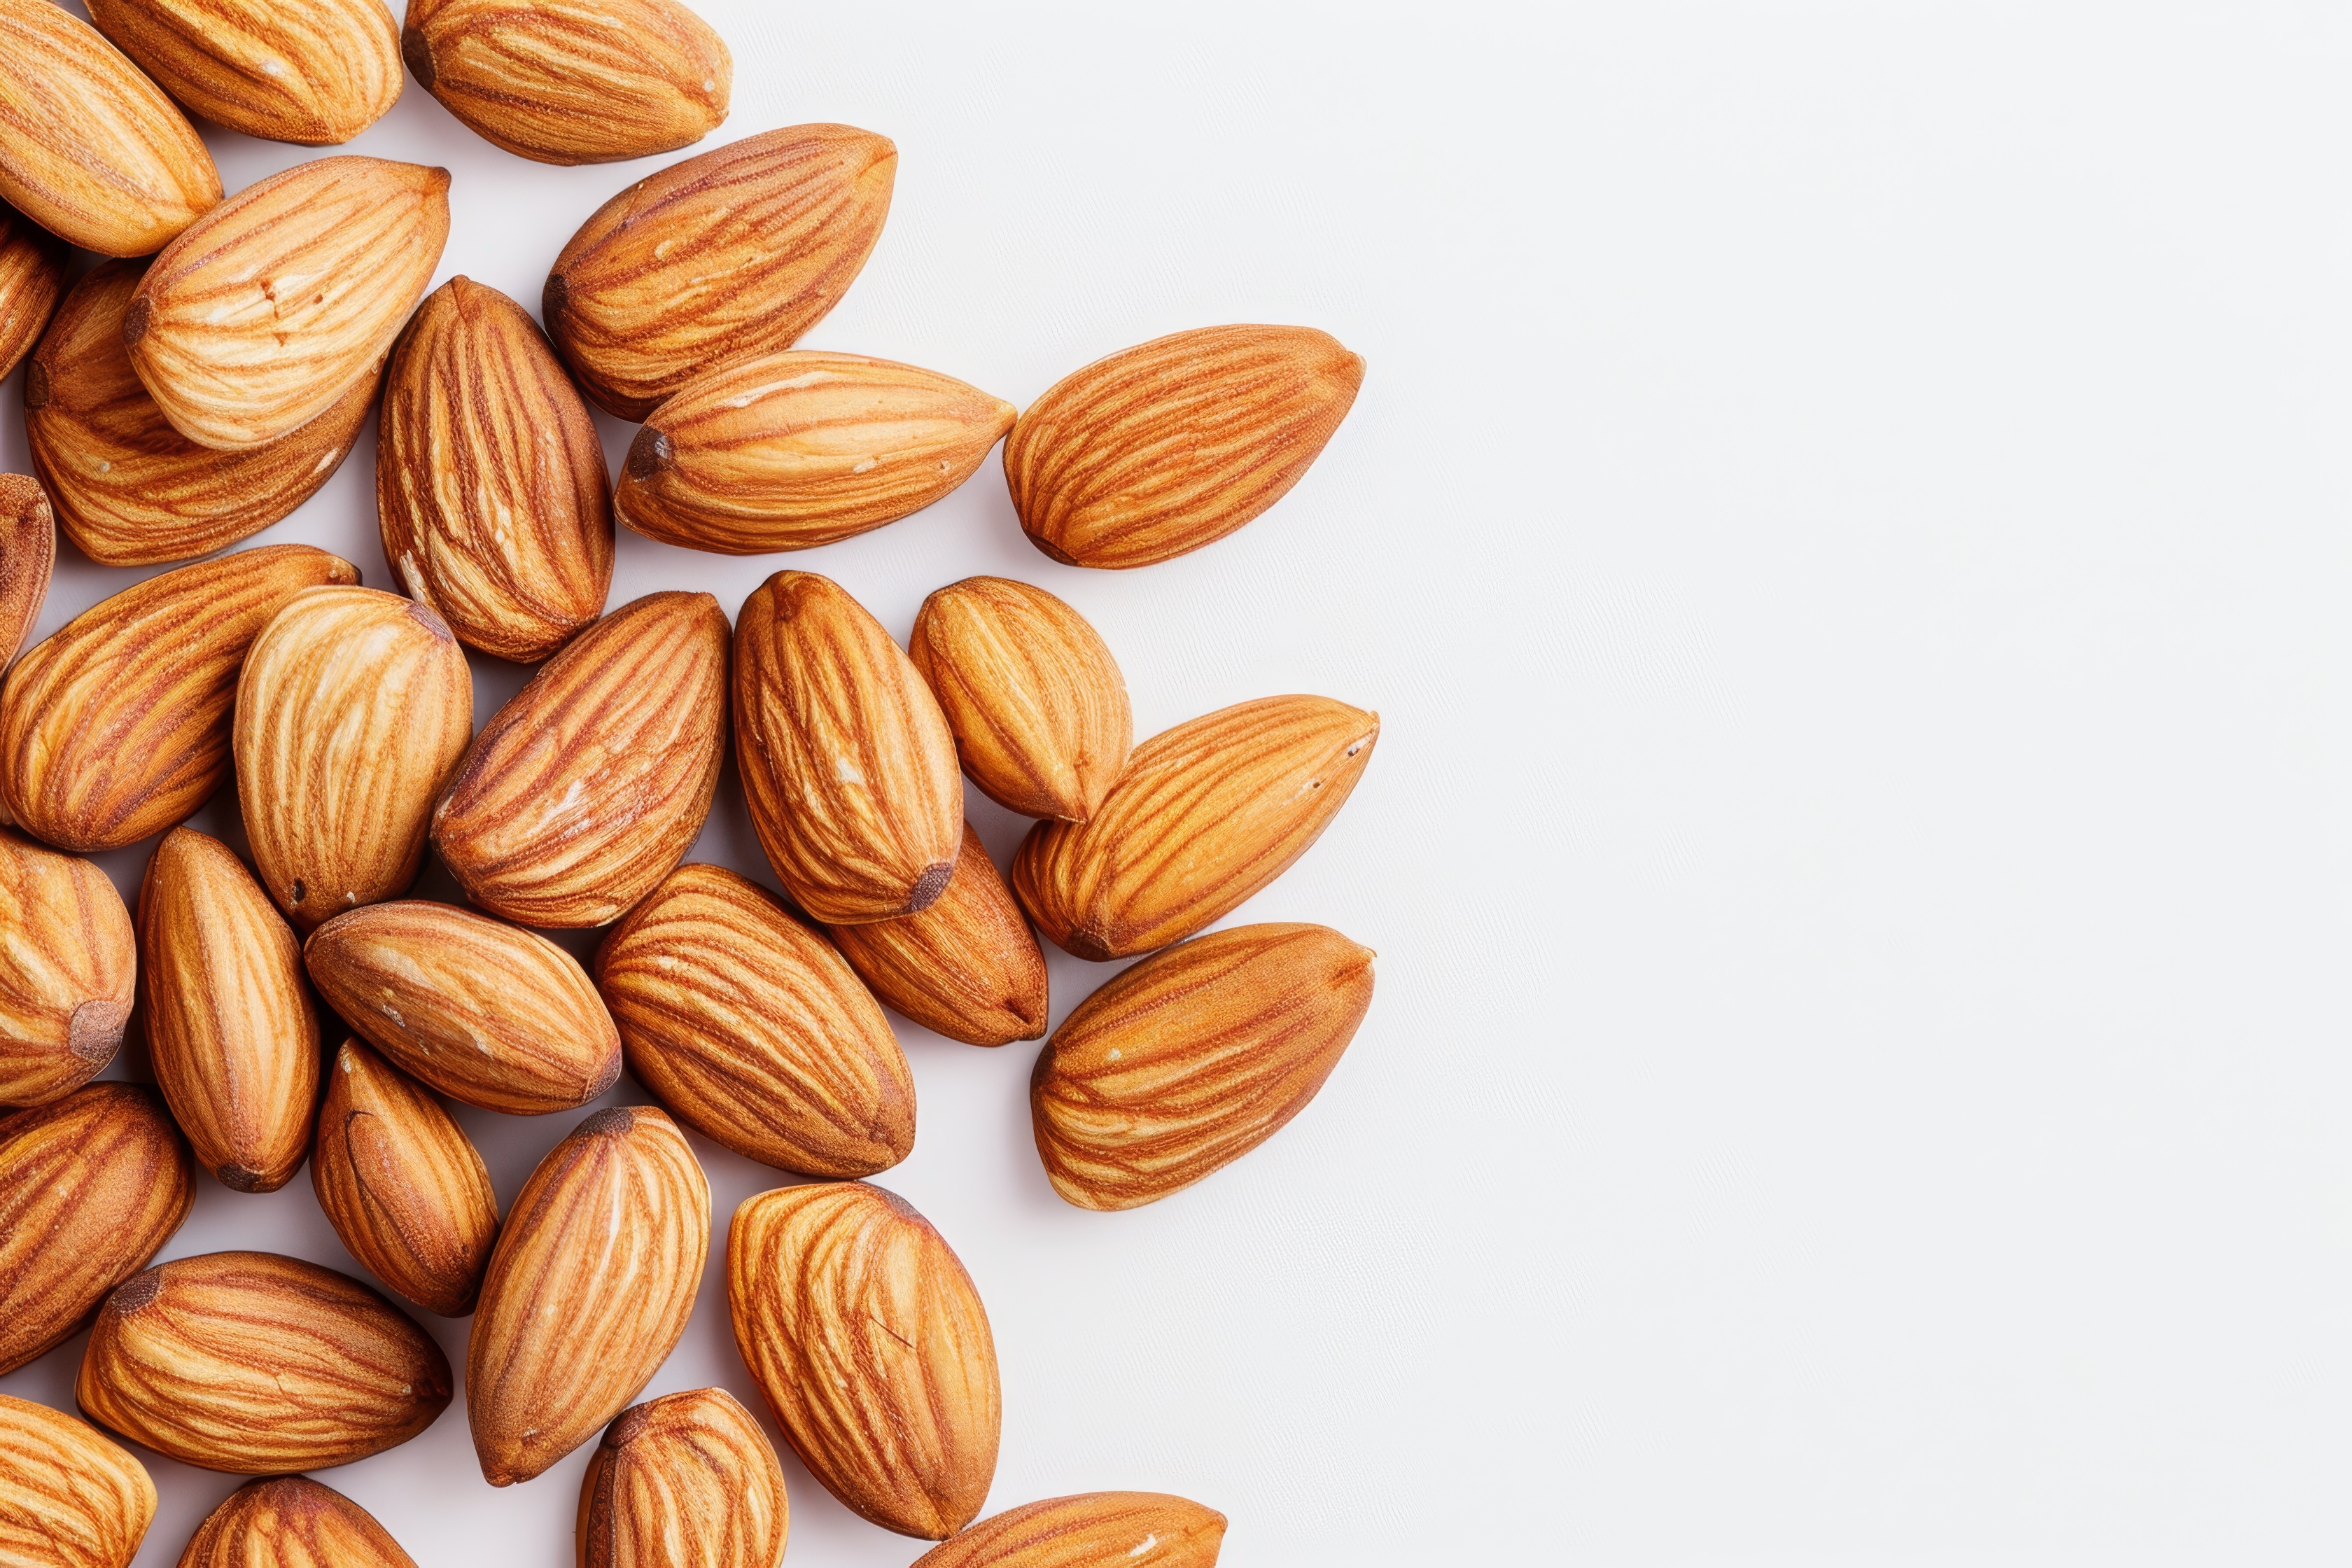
x: 1845, y: 528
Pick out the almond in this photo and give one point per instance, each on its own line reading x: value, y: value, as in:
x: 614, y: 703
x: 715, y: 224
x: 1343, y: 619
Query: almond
x: 28, y: 553
x: 848, y: 766
x: 586, y: 789
x: 1091, y: 1531
x: 130, y: 489
x: 90, y: 1188
x: 1189, y: 1060
x: 736, y: 252
x: 687, y: 1480
x: 66, y: 972
x: 32, y: 281
x: 259, y: 1364
x: 259, y: 318
x: 866, y: 1336
x: 402, y: 1185
x: 787, y: 450
x: 589, y: 1291
x: 316, y: 72
x: 291, y: 1521
x: 572, y: 81
x: 751, y: 1029
x: 1205, y: 815
x: 229, y: 1026
x: 491, y: 487
x: 1162, y: 448
x: 118, y: 725
x: 486, y: 1012
x: 93, y: 151
x: 353, y: 708
x: 968, y: 967
x: 1037, y: 704
x: 69, y: 1498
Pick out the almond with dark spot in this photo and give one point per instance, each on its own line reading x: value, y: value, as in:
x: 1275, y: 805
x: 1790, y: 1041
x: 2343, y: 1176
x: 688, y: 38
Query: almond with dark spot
x: 66, y: 972
x: 968, y: 967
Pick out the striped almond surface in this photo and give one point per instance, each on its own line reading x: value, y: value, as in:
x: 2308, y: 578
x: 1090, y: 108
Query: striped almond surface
x: 28, y: 554
x: 314, y: 72
x: 1148, y: 1530
x: 687, y: 1478
x: 66, y: 972
x: 32, y: 281
x: 68, y: 1497
x: 291, y: 1521
x: 968, y: 967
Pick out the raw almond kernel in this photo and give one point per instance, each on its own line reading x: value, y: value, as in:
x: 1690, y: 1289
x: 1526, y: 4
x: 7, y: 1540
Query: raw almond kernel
x: 118, y: 725
x: 584, y: 791
x: 28, y: 553
x: 353, y: 708
x: 316, y: 72
x: 291, y: 1521
x: 787, y: 450
x: 402, y: 1185
x: 259, y: 318
x: 486, y: 1012
x: 69, y: 1498
x: 870, y: 1345
x: 968, y: 967
x: 751, y: 1029
x: 66, y: 972
x: 1088, y: 1531
x: 687, y: 1480
x: 736, y: 252
x: 32, y: 281
x: 572, y: 81
x: 90, y: 1188
x: 90, y: 149
x: 848, y: 765
x: 491, y: 487
x: 1162, y: 448
x: 229, y: 1026
x: 258, y: 1364
x: 589, y: 1291
x: 1189, y: 1060
x: 1037, y: 704
x: 1205, y: 815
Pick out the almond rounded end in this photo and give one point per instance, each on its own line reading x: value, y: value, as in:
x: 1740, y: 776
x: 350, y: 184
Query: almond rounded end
x: 36, y: 385
x: 135, y: 319
x: 418, y: 51
x: 929, y: 886
x: 136, y: 1292
x: 96, y: 1032
x: 650, y: 455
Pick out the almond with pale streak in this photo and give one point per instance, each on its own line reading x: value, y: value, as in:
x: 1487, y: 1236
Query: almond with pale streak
x: 1095, y: 1530
x: 687, y: 1480
x: 66, y: 972
x: 968, y: 967
x: 291, y: 1521
x: 314, y: 72
x: 28, y: 554
x: 69, y: 1498
x: 32, y: 281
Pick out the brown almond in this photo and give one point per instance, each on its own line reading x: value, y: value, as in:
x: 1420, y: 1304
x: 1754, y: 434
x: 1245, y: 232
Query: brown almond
x: 1096, y: 1529
x: 28, y: 553
x: 32, y: 281
x: 314, y: 72
x: 66, y: 972
x: 69, y: 1498
x: 968, y: 967
x: 291, y: 1521
x: 687, y: 1480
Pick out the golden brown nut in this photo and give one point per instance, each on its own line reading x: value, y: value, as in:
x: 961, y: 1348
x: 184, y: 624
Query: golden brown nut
x: 291, y: 1521
x: 32, y: 281
x: 687, y: 1480
x: 1097, y: 1529
x: 314, y: 72
x: 968, y: 967
x: 66, y: 972
x: 69, y: 1498
x: 28, y: 553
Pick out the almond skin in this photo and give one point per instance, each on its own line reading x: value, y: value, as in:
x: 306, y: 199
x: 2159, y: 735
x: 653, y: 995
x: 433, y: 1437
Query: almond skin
x: 589, y: 1291
x: 572, y: 81
x: 260, y: 316
x: 489, y: 478
x: 1205, y: 815
x: 28, y: 554
x: 787, y: 450
x: 118, y: 725
x: 1037, y: 704
x: 848, y: 765
x: 1088, y: 1531
x: 32, y: 281
x: 291, y: 1521
x: 486, y: 1012
x: 90, y: 1188
x: 736, y: 252
x: 229, y: 1026
x: 353, y: 708
x: 314, y: 72
x: 751, y: 1029
x: 968, y: 967
x: 402, y: 1185
x: 1189, y: 1060
x: 588, y: 788
x: 258, y: 1364
x: 687, y: 1480
x: 66, y: 972
x: 1160, y: 449
x: 69, y: 1498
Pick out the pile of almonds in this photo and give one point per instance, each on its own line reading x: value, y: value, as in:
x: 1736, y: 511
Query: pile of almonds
x: 177, y: 405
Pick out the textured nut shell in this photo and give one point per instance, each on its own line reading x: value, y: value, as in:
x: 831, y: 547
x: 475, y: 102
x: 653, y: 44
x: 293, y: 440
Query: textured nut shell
x: 1092, y: 1531
x: 871, y: 1347
x: 687, y: 1480
x: 353, y: 708
x: 1037, y: 704
x: 589, y: 1291
x: 751, y: 1029
x: 572, y: 81
x: 32, y: 281
x: 69, y: 1498
x: 258, y: 319
x: 258, y: 1364
x: 1162, y: 448
x: 118, y: 725
x: 848, y: 766
x: 229, y: 1026
x: 66, y: 972
x: 1205, y: 815
x: 489, y: 478
x: 788, y: 451
x: 90, y: 1188
x: 486, y: 1012
x: 1189, y: 1060
x: 28, y: 553
x: 291, y: 1521
x: 968, y: 967
x: 316, y: 72
x: 584, y: 791
x: 736, y: 252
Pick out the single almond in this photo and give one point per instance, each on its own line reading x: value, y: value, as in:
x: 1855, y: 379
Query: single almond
x: 28, y: 554
x: 315, y: 72
x: 32, y: 281
x: 968, y: 967
x: 1096, y: 1529
x: 687, y: 1480
x: 69, y: 1498
x: 291, y: 1521
x: 66, y: 972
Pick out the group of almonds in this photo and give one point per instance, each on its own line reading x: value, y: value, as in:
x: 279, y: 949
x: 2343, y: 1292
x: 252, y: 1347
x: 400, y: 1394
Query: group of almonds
x: 177, y: 405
